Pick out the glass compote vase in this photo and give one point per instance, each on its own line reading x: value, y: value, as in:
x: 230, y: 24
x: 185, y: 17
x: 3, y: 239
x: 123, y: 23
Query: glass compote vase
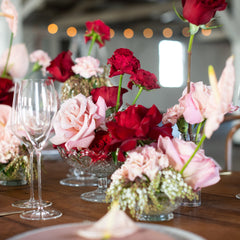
x: 102, y: 169
x: 38, y: 106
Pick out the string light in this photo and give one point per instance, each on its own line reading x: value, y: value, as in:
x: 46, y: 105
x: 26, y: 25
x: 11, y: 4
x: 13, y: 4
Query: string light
x: 148, y: 33
x: 185, y: 32
x: 167, y: 32
x: 52, y: 28
x: 71, y: 31
x: 112, y: 33
x: 206, y: 32
x: 128, y: 33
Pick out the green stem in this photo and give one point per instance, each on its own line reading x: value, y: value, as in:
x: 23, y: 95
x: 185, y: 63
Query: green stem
x: 137, y: 96
x: 8, y: 56
x: 119, y: 92
x: 189, y: 61
x: 197, y: 148
x: 92, y: 43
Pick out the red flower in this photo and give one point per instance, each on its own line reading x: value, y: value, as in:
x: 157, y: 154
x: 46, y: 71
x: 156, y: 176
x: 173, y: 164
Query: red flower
x: 122, y: 62
x: 145, y: 79
x: 200, y: 12
x: 134, y: 124
x: 61, y: 67
x: 109, y: 94
x: 6, y: 97
x: 99, y: 28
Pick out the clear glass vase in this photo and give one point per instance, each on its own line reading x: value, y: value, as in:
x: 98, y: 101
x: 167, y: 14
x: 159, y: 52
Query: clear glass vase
x: 163, y: 212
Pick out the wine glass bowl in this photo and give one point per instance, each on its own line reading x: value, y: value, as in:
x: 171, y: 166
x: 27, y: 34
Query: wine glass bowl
x: 38, y: 104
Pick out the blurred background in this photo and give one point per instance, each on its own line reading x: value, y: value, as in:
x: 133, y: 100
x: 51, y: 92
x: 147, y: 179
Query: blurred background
x: 149, y: 28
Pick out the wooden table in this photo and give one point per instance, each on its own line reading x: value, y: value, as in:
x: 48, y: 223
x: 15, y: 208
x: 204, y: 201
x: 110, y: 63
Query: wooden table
x: 217, y: 218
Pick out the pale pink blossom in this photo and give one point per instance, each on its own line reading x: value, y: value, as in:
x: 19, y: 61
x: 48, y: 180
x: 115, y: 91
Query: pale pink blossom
x: 87, y: 67
x: 76, y: 122
x: 201, y: 172
x: 220, y: 101
x: 18, y: 62
x: 10, y: 12
x: 173, y: 114
x: 42, y: 58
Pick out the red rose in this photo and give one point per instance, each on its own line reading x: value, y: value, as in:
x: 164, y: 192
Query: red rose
x: 61, y: 67
x: 122, y: 62
x: 145, y: 79
x: 200, y: 12
x: 100, y: 28
x: 6, y: 97
x: 109, y: 94
x: 134, y: 124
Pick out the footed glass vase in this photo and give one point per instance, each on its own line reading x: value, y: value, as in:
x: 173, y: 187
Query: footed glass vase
x: 162, y: 212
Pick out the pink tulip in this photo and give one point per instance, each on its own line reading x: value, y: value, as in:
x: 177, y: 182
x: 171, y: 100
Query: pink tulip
x: 220, y: 101
x: 87, y: 67
x: 76, y: 122
x: 9, y: 11
x: 18, y: 63
x: 201, y: 172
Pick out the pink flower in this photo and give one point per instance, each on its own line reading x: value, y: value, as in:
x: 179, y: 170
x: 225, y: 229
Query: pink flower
x: 77, y: 120
x: 18, y: 62
x: 173, y: 114
x: 195, y: 102
x: 201, y: 172
x: 41, y: 58
x: 87, y: 67
x: 10, y: 12
x: 220, y: 101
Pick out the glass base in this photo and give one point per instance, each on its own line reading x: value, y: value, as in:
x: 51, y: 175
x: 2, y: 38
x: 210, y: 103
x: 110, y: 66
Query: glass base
x: 90, y: 181
x: 238, y: 196
x: 18, y: 182
x: 156, y: 217
x: 30, y: 204
x: 95, y: 196
x: 43, y: 214
x: 196, y: 202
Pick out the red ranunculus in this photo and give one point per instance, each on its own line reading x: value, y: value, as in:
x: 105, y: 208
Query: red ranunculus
x: 100, y: 28
x: 6, y: 97
x: 133, y: 124
x: 61, y: 67
x: 123, y: 61
x: 200, y: 12
x: 109, y: 94
x: 145, y: 79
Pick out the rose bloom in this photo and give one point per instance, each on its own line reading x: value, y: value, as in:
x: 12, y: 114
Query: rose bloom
x: 173, y: 114
x: 100, y: 28
x: 201, y: 172
x: 87, y: 67
x: 10, y: 12
x: 144, y: 79
x: 6, y: 95
x: 109, y: 94
x: 200, y: 12
x: 41, y: 58
x: 18, y: 62
x: 123, y: 61
x: 61, y: 67
x: 77, y: 120
x: 133, y: 124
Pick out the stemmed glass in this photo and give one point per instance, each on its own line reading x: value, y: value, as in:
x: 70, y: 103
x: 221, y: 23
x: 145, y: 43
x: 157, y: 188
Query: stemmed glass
x: 18, y: 131
x: 38, y: 106
x: 238, y: 196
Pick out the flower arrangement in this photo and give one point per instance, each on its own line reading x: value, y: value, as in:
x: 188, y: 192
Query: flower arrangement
x: 13, y: 155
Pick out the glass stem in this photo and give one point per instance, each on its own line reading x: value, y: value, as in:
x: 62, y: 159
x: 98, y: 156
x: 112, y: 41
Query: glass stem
x: 31, y: 177
x: 102, y: 184
x: 38, y: 154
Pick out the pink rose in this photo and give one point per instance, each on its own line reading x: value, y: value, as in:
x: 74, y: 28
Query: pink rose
x: 201, y: 172
x: 77, y: 120
x: 173, y: 114
x: 41, y: 58
x: 87, y: 67
x: 18, y: 61
x: 195, y: 102
x: 4, y: 116
x: 220, y: 101
x: 10, y: 12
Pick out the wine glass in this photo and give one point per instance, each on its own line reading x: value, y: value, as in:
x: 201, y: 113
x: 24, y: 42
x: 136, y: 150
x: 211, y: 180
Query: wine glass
x: 38, y: 106
x: 18, y: 130
x: 238, y: 196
